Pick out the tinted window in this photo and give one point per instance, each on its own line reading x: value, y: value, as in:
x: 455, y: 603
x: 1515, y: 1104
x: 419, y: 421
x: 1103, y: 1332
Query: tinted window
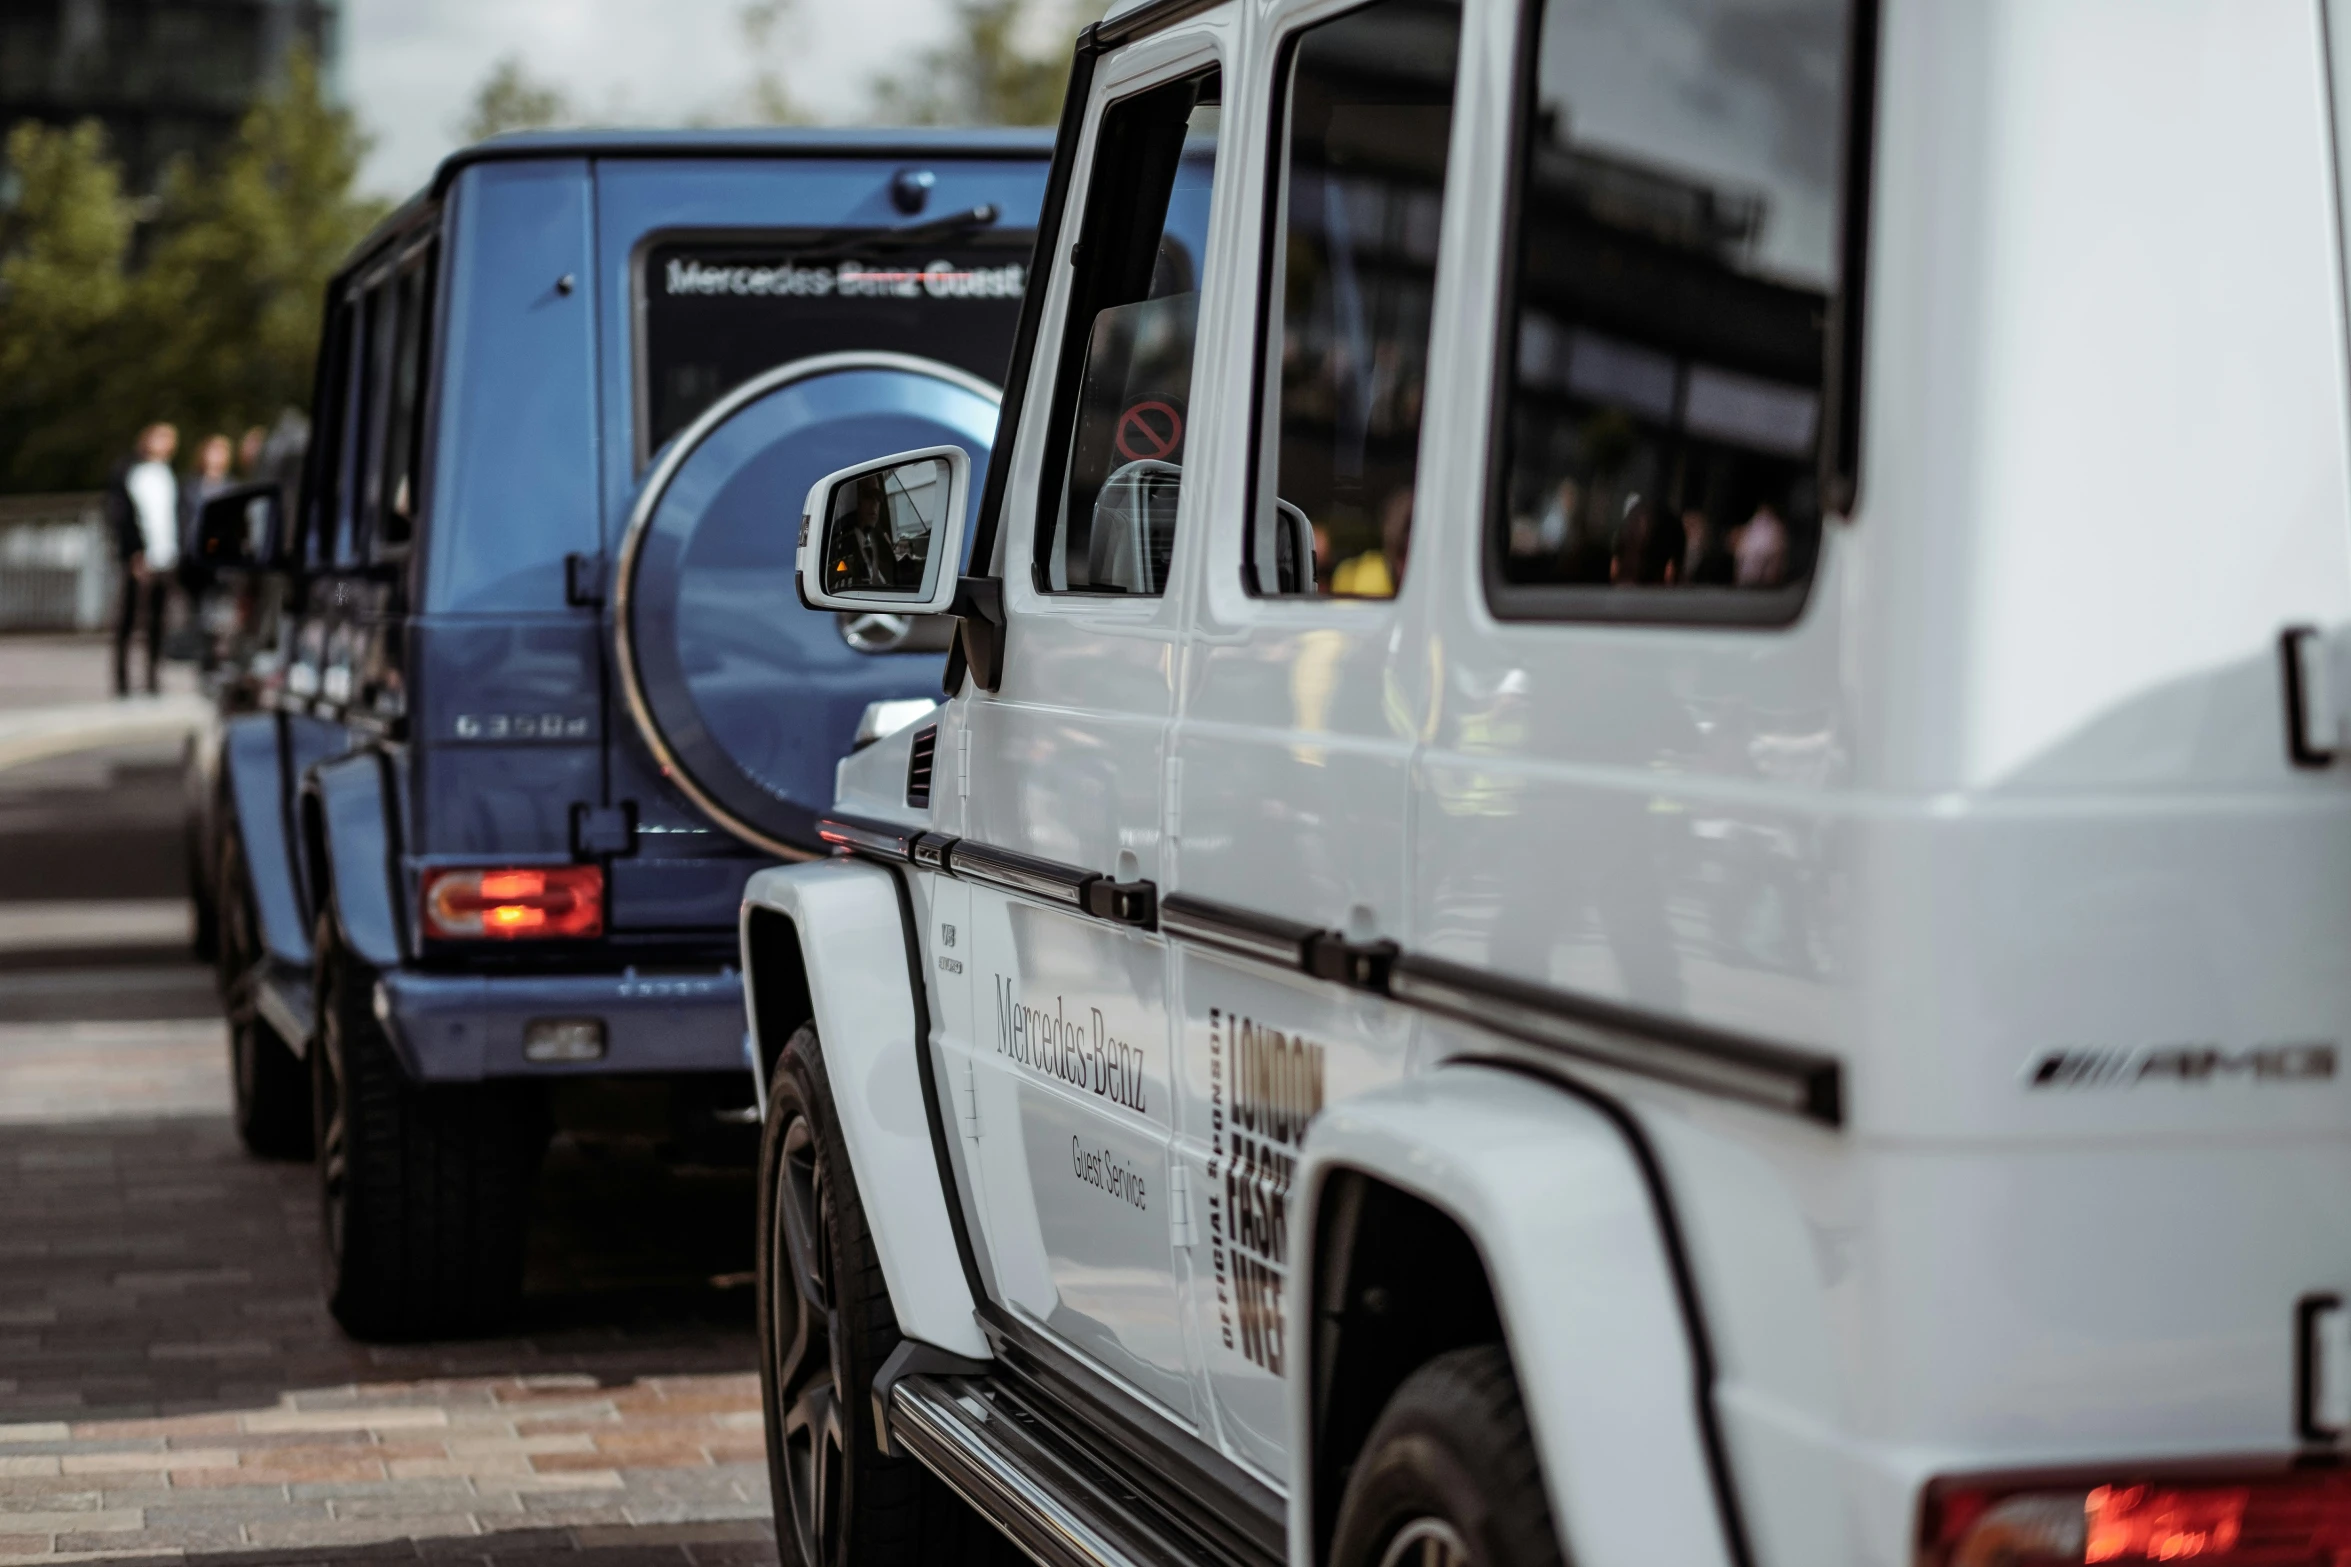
x: 1678, y: 259
x: 1367, y: 117
x: 354, y: 420
x: 714, y: 315
x: 322, y: 467
x: 1123, y: 392
x: 394, y: 499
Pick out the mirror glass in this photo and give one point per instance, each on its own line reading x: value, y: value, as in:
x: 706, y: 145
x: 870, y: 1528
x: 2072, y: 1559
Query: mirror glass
x: 879, y: 527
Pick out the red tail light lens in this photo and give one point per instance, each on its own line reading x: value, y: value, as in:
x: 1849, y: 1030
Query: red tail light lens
x: 508, y: 905
x: 2216, y: 1517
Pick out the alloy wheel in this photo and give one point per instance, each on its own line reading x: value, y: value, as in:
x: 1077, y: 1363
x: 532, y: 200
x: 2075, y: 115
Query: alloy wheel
x: 332, y: 1116
x: 807, y: 1381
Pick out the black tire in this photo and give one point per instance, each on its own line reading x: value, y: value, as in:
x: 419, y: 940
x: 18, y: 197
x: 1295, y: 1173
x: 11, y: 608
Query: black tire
x: 271, y: 1088
x: 424, y: 1189
x: 1448, y: 1476
x: 825, y: 1327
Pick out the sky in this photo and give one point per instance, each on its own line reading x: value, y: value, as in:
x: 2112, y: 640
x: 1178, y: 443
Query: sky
x: 410, y: 67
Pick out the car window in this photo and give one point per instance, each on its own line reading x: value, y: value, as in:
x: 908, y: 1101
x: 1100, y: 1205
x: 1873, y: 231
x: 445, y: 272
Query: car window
x: 340, y: 547
x: 1678, y: 258
x: 712, y: 313
x: 1366, y: 118
x: 1123, y: 392
x: 394, y: 497
x: 322, y: 471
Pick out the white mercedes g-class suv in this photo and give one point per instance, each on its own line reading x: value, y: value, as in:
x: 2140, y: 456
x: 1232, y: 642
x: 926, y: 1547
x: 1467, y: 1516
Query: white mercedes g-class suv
x: 1639, y: 852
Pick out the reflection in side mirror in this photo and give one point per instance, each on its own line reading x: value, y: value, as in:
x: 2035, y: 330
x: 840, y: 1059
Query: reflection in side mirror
x: 240, y: 527
x: 887, y: 535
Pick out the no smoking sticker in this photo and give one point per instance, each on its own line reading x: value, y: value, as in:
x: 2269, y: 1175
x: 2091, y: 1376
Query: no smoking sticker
x: 1149, y: 430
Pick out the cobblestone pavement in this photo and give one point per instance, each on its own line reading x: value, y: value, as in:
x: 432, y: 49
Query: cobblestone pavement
x: 171, y: 1387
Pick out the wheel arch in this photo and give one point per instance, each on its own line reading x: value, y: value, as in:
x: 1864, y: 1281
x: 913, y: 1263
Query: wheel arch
x: 349, y: 855
x: 253, y: 780
x: 833, y: 942
x: 1431, y: 1178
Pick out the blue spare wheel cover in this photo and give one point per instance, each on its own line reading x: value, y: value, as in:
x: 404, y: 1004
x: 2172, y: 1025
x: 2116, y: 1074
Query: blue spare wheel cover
x: 747, y: 698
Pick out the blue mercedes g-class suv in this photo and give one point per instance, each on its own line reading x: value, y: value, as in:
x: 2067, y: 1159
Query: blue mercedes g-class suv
x: 475, y: 827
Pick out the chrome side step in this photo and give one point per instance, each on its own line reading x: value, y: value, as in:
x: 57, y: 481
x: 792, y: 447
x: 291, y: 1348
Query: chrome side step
x: 1061, y: 1509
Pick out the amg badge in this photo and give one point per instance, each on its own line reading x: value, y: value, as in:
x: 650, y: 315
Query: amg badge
x: 2302, y: 1061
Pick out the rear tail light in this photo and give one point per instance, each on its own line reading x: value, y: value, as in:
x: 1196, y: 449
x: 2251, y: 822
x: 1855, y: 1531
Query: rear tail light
x: 473, y: 905
x: 2215, y: 1516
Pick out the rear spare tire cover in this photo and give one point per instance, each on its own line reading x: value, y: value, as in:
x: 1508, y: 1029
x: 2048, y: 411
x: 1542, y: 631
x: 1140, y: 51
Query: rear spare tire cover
x: 746, y: 697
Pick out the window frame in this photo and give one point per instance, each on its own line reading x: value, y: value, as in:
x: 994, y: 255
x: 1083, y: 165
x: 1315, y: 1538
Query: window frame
x: 1839, y: 442
x: 1272, y: 238
x: 1068, y: 347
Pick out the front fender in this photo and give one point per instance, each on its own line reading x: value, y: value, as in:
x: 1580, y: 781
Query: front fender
x: 1557, y: 1203
x: 355, y: 843
x: 853, y: 937
x: 255, y: 776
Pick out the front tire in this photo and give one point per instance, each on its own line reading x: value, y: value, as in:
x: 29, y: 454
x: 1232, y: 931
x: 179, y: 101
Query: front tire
x: 271, y: 1090
x: 424, y: 1189
x: 825, y: 1327
x: 1448, y: 1476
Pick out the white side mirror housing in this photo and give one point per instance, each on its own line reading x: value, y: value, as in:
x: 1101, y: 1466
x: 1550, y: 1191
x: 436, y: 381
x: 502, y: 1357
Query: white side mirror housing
x: 887, y: 535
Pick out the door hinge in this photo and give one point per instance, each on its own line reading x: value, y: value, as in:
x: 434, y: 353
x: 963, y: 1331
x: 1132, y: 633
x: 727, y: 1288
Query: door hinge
x: 967, y: 1094
x: 963, y: 764
x: 583, y: 581
x: 1181, y: 1231
x: 2322, y: 1403
x: 2312, y: 666
x: 1174, y: 812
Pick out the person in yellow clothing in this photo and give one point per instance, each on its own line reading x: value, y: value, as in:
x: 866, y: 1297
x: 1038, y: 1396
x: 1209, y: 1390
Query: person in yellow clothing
x: 1376, y: 574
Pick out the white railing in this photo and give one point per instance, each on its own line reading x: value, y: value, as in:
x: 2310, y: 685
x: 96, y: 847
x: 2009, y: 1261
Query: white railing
x: 57, y: 566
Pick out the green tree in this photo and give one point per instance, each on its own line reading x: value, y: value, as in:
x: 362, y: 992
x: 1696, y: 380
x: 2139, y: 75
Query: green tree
x: 232, y: 290
x: 214, y: 327
x: 64, y: 239
x: 988, y: 72
x: 510, y: 99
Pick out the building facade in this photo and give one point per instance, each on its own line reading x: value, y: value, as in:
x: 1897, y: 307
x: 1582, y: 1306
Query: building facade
x: 165, y: 77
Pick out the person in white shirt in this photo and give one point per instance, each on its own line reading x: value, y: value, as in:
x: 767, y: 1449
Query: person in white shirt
x: 145, y: 503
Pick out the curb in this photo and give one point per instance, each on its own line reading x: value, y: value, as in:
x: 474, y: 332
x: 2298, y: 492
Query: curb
x: 36, y: 734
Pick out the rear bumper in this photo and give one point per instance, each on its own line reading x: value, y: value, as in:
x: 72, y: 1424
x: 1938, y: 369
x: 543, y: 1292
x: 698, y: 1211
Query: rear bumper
x: 455, y: 1028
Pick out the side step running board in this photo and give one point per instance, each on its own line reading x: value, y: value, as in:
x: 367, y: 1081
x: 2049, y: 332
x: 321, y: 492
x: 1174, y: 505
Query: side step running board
x: 1055, y: 1504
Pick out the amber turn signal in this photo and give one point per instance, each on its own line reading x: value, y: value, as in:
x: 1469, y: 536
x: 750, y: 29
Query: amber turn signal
x: 507, y: 905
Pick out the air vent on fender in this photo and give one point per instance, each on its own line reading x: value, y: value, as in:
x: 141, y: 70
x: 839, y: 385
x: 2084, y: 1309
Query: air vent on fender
x: 918, y: 767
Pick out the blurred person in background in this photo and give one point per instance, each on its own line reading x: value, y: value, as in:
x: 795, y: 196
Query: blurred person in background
x: 197, y: 583
x: 143, y: 504
x: 250, y: 447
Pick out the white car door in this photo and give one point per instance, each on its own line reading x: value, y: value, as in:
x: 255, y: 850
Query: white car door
x: 1293, y: 747
x: 1065, y: 1040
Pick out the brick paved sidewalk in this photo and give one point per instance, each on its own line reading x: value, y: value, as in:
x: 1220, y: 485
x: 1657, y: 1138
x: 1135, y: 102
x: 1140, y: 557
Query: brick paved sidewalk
x: 568, y: 1461
x: 171, y: 1388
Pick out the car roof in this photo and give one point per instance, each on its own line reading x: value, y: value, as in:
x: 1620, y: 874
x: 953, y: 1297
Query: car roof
x: 752, y: 142
x: 1000, y: 141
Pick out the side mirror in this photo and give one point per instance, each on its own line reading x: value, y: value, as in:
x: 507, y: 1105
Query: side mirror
x: 240, y: 527
x: 887, y: 535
